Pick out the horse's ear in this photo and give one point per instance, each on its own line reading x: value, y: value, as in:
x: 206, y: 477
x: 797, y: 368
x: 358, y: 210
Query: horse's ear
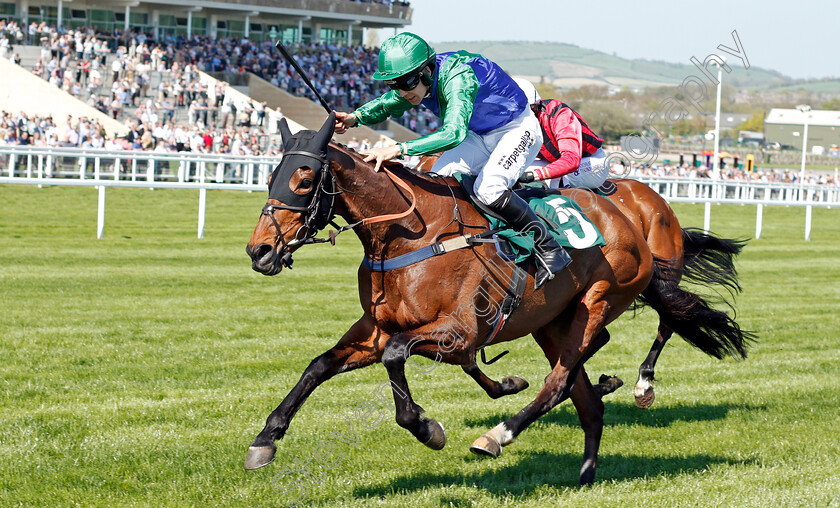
x: 326, y: 133
x: 285, y: 132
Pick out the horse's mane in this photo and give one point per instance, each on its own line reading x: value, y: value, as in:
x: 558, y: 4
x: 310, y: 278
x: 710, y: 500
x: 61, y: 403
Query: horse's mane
x: 394, y: 165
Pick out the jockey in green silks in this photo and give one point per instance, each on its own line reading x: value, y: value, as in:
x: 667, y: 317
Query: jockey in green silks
x: 487, y: 130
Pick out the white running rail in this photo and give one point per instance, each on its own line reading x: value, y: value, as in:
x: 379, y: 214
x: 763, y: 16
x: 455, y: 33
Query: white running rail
x: 98, y: 168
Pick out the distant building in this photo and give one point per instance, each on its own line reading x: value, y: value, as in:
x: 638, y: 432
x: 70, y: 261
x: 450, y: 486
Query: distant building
x: 786, y: 127
x: 732, y: 120
x: 289, y: 20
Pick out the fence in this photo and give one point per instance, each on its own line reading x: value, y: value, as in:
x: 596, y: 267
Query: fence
x: 102, y: 169
x: 699, y: 190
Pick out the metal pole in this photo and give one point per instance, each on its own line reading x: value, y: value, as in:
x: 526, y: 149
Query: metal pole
x: 804, y: 148
x: 100, y: 214
x: 715, y: 162
x: 808, y: 223
x: 707, y: 216
x: 202, y: 206
x: 759, y: 216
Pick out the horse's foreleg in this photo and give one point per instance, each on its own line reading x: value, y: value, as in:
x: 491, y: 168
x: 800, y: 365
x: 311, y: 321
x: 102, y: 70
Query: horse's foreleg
x: 643, y: 391
x: 357, y: 348
x: 396, y: 354
x: 495, y: 389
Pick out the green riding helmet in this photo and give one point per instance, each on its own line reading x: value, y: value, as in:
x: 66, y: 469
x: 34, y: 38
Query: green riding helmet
x: 403, y: 54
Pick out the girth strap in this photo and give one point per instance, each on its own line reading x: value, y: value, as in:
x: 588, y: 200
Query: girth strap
x: 435, y: 249
x: 513, y: 297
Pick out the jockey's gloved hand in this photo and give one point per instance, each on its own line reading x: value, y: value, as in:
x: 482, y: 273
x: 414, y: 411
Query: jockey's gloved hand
x: 527, y: 177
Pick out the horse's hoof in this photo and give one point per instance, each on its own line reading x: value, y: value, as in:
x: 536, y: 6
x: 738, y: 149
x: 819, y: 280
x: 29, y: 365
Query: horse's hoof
x: 486, y: 445
x: 259, y: 456
x: 608, y: 384
x: 438, y: 438
x: 516, y: 383
x: 644, y: 397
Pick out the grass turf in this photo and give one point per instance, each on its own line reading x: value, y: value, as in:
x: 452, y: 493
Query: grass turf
x: 137, y: 369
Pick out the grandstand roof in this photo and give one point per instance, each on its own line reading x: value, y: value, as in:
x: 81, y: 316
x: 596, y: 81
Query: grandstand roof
x: 795, y: 117
x: 367, y: 14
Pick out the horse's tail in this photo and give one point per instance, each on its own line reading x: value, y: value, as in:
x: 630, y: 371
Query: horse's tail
x: 709, y: 260
x: 689, y: 315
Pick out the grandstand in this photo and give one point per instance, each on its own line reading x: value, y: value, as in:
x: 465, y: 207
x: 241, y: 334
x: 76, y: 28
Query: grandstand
x: 182, y: 71
x: 288, y: 20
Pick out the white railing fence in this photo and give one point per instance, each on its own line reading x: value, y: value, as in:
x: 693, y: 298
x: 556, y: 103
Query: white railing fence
x: 702, y: 190
x: 154, y: 170
x: 97, y: 168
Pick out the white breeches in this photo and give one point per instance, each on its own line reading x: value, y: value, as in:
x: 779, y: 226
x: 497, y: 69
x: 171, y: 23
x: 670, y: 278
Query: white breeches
x: 498, y: 158
x: 591, y: 174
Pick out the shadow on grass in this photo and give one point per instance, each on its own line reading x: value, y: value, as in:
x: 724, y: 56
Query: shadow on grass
x: 617, y: 413
x: 536, y: 470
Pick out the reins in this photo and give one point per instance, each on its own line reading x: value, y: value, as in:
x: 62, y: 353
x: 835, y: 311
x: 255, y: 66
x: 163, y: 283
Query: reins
x: 399, y: 182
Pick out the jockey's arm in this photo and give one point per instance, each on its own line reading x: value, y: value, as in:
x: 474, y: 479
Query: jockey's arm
x: 566, y: 131
x: 457, y: 95
x: 389, y: 104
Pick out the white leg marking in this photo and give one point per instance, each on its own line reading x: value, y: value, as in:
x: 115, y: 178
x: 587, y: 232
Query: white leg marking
x: 501, y: 434
x: 642, y: 386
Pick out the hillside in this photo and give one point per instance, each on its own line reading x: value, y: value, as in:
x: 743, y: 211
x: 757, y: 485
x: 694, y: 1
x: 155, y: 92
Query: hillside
x: 569, y: 66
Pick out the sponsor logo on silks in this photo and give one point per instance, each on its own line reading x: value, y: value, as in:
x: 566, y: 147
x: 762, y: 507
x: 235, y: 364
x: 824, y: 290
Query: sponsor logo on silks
x: 524, y: 143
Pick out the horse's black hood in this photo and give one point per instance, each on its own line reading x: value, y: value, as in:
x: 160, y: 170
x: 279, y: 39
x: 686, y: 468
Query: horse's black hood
x: 308, y: 149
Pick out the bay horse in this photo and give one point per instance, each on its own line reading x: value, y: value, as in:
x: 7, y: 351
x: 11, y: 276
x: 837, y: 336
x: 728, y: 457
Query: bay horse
x: 415, y: 310
x: 688, y: 254
x: 682, y: 253
x: 699, y: 258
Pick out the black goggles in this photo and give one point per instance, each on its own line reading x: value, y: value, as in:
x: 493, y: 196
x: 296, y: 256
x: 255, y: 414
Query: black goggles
x: 404, y: 83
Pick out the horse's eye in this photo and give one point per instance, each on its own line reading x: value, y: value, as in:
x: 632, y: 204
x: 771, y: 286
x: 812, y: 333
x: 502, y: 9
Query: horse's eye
x: 306, y: 183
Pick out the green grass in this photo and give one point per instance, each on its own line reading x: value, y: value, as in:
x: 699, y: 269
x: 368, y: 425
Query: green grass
x: 137, y: 369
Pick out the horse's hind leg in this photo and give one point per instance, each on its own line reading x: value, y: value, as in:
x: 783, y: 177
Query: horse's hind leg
x: 357, y: 348
x: 559, y: 386
x: 587, y: 401
x: 607, y: 384
x: 643, y: 391
x: 590, y: 411
x: 495, y: 389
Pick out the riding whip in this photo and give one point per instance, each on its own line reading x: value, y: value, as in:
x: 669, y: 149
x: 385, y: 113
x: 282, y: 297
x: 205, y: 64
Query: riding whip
x: 289, y: 58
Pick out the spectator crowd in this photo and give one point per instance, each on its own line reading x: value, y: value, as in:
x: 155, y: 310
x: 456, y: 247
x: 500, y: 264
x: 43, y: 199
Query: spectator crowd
x: 153, y: 86
x: 43, y: 131
x: 76, y: 61
x: 761, y: 174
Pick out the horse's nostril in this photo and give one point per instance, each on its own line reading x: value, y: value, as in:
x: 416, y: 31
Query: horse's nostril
x: 262, y: 251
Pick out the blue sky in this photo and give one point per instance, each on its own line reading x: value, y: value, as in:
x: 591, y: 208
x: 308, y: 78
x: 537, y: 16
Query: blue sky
x: 798, y: 38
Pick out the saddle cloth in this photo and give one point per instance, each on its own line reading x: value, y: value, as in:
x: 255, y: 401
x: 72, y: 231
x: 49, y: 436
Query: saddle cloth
x: 563, y: 217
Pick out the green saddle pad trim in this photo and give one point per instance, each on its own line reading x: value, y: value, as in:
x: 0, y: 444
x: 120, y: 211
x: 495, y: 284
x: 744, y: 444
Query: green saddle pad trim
x: 564, y: 218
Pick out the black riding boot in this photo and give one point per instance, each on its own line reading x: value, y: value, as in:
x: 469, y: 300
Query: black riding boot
x: 551, y: 257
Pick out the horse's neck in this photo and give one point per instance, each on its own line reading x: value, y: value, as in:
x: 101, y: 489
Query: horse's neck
x: 366, y: 195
